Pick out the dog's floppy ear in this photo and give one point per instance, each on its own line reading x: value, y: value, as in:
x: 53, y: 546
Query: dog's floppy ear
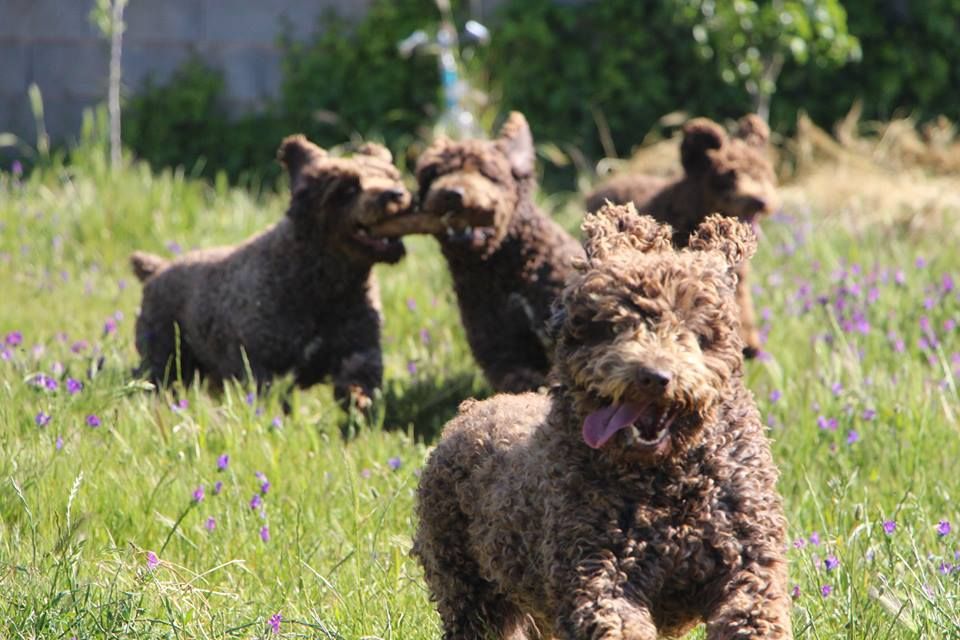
x: 617, y: 226
x: 732, y: 238
x: 375, y: 150
x: 295, y: 152
x: 753, y: 130
x: 699, y: 136
x: 517, y: 143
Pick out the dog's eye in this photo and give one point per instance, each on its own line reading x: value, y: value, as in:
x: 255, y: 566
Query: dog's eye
x: 704, y: 341
x: 348, y: 190
x: 724, y: 180
x: 595, y: 331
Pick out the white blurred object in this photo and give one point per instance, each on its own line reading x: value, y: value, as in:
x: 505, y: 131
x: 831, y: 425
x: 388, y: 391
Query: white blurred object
x: 456, y: 121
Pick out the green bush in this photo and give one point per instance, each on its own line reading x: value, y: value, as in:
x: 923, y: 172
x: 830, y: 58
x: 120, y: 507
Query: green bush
x: 577, y: 70
x: 910, y: 66
x: 185, y: 122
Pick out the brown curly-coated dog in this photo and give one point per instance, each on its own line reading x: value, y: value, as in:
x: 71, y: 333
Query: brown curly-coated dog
x: 728, y: 175
x: 507, y: 258
x: 638, y: 498
x: 298, y: 297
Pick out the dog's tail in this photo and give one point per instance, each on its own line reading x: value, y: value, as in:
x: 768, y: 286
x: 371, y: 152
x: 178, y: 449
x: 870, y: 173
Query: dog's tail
x: 146, y: 265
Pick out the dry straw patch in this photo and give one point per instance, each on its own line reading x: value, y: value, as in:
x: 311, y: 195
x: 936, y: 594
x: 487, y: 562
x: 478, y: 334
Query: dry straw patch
x: 889, y: 176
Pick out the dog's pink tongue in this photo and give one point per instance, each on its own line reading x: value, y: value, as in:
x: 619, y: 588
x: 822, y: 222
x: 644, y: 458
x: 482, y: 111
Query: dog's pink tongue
x: 602, y: 424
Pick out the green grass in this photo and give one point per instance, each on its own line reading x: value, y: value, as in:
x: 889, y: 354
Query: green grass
x: 77, y: 521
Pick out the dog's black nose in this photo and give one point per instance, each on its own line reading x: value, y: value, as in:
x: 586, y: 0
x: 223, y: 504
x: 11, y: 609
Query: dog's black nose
x: 388, y: 196
x: 451, y: 198
x: 755, y: 204
x: 653, y: 379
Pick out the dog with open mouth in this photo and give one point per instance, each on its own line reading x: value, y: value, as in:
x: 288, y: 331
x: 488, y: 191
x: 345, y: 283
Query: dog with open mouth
x: 638, y: 498
x: 507, y: 258
x: 299, y: 297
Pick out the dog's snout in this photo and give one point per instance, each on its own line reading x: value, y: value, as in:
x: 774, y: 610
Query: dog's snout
x: 451, y: 197
x: 754, y: 203
x: 653, y: 379
x: 392, y: 195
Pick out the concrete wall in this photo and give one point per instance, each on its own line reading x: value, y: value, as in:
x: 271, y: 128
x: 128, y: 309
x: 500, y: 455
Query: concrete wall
x: 53, y: 43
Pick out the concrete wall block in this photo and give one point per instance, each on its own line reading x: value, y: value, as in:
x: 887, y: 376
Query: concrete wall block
x: 252, y: 75
x: 15, y: 74
x: 59, y: 19
x: 155, y: 61
x: 77, y: 70
x: 261, y: 23
x: 168, y: 20
x: 64, y: 115
x: 15, y: 17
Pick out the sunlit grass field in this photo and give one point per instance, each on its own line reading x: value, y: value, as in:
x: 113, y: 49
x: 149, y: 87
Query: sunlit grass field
x: 129, y: 513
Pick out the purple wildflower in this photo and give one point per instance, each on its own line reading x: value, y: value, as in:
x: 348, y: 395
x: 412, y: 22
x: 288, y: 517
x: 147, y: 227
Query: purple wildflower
x: 174, y: 247
x: 93, y: 420
x: 152, y: 560
x: 265, y: 487
x: 795, y: 592
x: 889, y: 526
x: 945, y: 568
x: 222, y: 461
x: 276, y: 423
x: 59, y: 443
x: 198, y: 494
x: 265, y: 533
x: 251, y: 398
x: 799, y: 543
x: 42, y: 419
x: 6, y: 354
x: 394, y: 463
x: 74, y: 386
x: 218, y: 487
x: 868, y: 414
x: 210, y: 524
x: 411, y: 367
x: 13, y: 339
x: 831, y: 563
x: 815, y: 538
x: 826, y: 590
x: 852, y: 436
x: 827, y: 423
x: 836, y: 388
x: 775, y: 395
x: 943, y: 528
x: 109, y: 326
x: 946, y: 283
x: 274, y: 622
x: 411, y: 304
x: 365, y: 473
x: 79, y: 346
x: 255, y: 501
x: 425, y: 336
x: 16, y: 168
x: 920, y: 262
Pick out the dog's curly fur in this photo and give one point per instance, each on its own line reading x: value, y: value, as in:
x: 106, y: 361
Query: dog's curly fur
x: 507, y: 258
x: 297, y: 297
x: 722, y: 174
x: 526, y: 530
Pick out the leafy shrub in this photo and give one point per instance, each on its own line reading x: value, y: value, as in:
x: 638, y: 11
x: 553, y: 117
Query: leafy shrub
x: 587, y: 74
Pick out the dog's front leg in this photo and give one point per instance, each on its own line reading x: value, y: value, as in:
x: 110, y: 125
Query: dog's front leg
x: 754, y: 605
x: 597, y: 607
